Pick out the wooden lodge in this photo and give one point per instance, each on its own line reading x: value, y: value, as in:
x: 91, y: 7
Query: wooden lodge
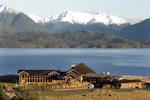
x: 77, y: 72
x: 38, y: 76
x: 80, y: 72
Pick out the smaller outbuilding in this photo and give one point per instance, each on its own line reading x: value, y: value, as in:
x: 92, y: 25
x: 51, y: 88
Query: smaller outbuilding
x: 147, y: 85
x: 125, y: 83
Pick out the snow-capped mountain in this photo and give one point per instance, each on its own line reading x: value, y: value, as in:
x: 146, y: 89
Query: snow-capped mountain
x: 87, y: 18
x: 84, y: 18
x: 11, y: 19
x: 7, y: 9
x: 36, y: 18
x: 73, y: 17
x: 134, y: 21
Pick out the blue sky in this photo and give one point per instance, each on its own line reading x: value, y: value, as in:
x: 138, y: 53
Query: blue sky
x: 126, y: 8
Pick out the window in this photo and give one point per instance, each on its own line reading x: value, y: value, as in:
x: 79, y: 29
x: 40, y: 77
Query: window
x: 23, y: 75
x: 30, y: 80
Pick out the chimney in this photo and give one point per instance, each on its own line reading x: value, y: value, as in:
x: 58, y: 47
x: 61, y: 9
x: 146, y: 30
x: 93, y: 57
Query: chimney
x: 73, y: 65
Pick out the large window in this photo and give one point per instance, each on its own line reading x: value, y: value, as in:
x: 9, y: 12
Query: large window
x: 30, y: 79
x: 23, y: 75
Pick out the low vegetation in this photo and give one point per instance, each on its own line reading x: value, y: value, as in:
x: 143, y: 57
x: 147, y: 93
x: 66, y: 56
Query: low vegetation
x: 104, y: 94
x: 35, y: 92
x: 87, y: 94
x: 73, y: 91
x: 81, y: 39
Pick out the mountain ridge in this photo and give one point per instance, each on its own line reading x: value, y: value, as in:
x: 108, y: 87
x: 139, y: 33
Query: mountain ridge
x: 97, y: 17
x: 13, y: 21
x: 138, y: 32
x: 80, y: 39
x: 87, y: 18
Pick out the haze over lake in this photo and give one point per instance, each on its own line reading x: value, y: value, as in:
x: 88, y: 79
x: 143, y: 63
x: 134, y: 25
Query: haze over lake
x: 116, y: 61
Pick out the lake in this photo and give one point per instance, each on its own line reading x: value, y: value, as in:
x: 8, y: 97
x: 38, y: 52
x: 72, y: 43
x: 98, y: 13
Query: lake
x: 116, y: 61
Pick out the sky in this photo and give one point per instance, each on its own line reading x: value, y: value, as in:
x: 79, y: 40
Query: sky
x: 126, y: 8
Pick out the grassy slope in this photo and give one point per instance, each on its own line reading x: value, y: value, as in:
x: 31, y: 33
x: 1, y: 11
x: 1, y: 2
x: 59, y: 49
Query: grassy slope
x: 86, y: 94
x: 103, y: 95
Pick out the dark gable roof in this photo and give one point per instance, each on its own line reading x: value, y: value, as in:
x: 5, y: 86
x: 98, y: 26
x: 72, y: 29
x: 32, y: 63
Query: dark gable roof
x: 62, y: 73
x: 38, y: 72
x: 92, y: 75
x: 82, y: 69
x: 129, y: 81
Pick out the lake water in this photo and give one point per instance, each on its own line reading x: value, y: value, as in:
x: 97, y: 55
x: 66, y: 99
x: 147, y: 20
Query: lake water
x: 116, y: 61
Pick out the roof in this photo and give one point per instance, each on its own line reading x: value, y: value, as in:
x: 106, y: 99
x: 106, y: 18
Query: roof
x: 92, y: 75
x: 117, y: 78
x: 129, y: 81
x: 62, y: 73
x: 147, y: 84
x: 82, y: 69
x: 37, y: 72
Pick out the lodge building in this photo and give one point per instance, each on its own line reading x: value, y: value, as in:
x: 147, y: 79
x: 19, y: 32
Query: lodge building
x: 75, y: 73
x: 38, y: 76
x: 80, y: 72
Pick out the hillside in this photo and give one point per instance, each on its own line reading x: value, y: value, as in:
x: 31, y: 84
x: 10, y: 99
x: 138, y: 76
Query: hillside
x: 138, y: 32
x: 31, y: 40
x: 81, y: 39
x: 12, y: 20
x: 92, y: 39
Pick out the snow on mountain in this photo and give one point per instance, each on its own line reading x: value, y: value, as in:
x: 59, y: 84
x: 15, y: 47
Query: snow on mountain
x: 87, y: 18
x: 7, y: 9
x: 73, y: 17
x: 91, y: 18
x: 36, y: 18
x: 134, y: 20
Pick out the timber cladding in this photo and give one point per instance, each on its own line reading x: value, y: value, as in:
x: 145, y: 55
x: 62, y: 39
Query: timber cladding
x: 37, y: 76
x: 76, y: 73
x: 135, y: 83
